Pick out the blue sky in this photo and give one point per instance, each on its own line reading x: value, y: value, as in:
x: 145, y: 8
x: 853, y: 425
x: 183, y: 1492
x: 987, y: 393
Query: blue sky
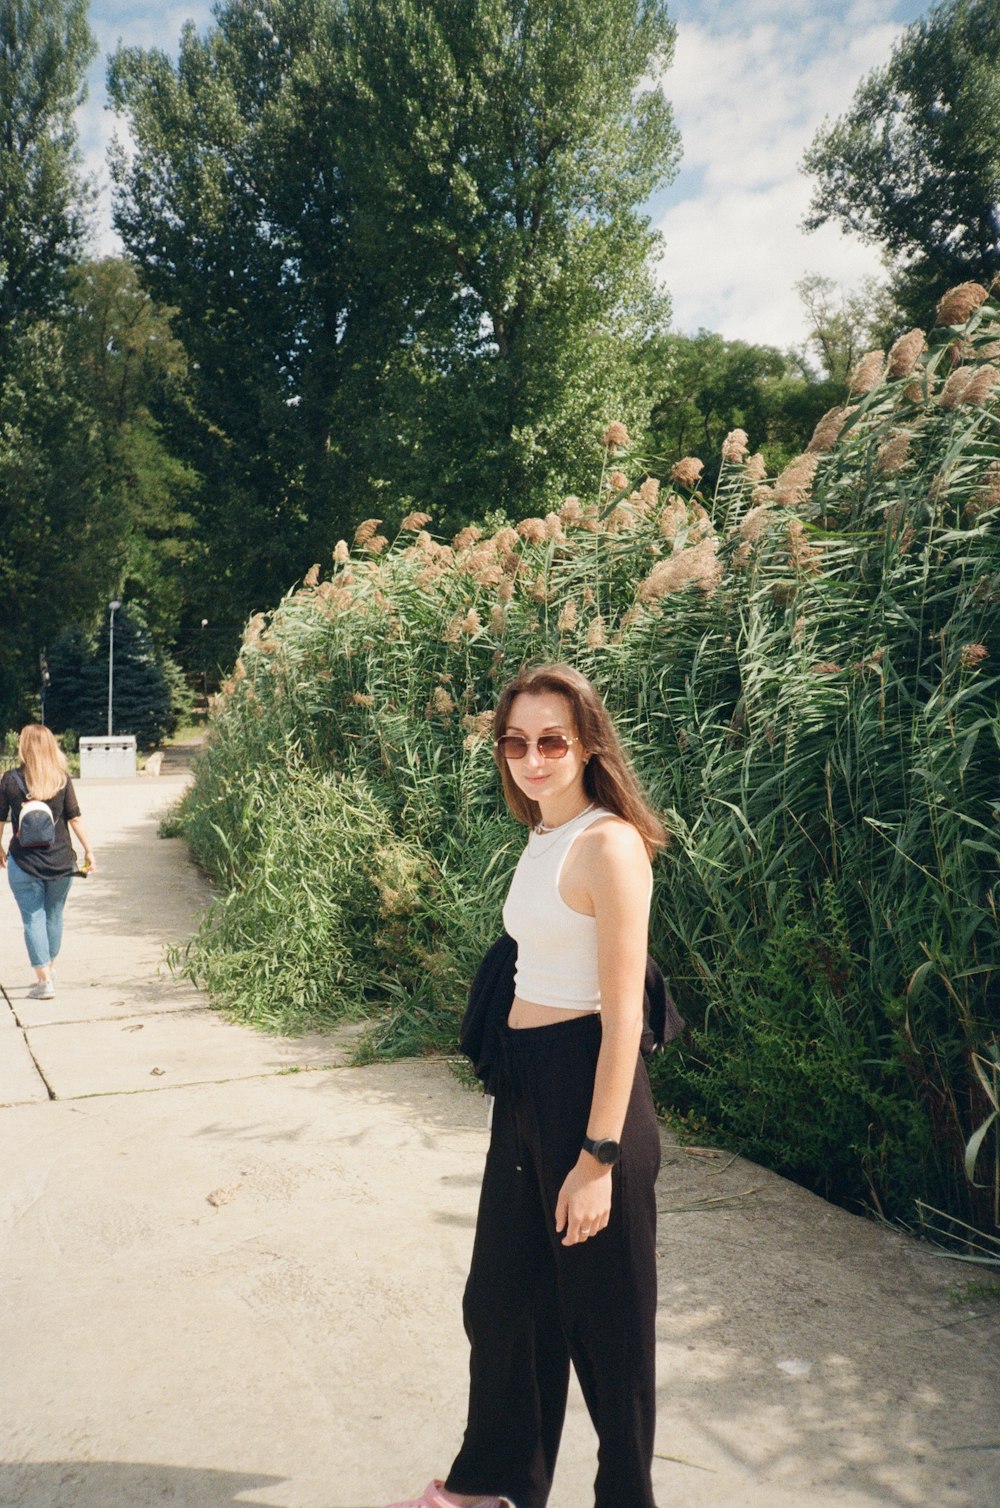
x: 750, y: 84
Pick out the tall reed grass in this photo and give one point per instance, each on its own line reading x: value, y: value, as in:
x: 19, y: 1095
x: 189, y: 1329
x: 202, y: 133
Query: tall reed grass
x: 804, y: 668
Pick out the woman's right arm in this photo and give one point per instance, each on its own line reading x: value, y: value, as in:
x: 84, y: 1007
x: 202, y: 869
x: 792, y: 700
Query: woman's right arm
x: 76, y: 823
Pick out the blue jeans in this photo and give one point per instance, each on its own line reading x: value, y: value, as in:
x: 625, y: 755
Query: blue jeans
x: 40, y: 903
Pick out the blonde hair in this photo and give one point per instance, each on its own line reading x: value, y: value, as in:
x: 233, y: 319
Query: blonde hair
x: 43, y: 762
x: 608, y: 778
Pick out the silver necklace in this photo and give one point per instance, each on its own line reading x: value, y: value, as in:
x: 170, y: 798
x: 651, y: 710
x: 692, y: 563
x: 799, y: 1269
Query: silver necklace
x: 542, y: 827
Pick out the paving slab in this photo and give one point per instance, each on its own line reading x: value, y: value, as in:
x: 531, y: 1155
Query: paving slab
x: 152, y: 1051
x: 20, y: 1081
x: 122, y: 999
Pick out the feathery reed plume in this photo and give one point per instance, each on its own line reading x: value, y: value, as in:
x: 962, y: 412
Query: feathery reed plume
x: 953, y: 392
x: 959, y: 303
x: 571, y: 511
x: 365, y: 530
x: 362, y: 699
x: 553, y: 526
x: 376, y: 544
x: 650, y: 491
x: 567, y: 619
x: 905, y: 352
x: 867, y: 374
x: 617, y: 481
x: 687, y: 471
x: 981, y: 385
x: 311, y: 577
x: 441, y: 702
x: 616, y: 437
x: 827, y: 431
x: 414, y: 521
x: 597, y: 634
x: 698, y: 566
x: 498, y: 619
x: 754, y: 523
x: 793, y: 485
x: 254, y: 629
x: 466, y: 538
x: 673, y: 516
x: 735, y: 446
x: 803, y: 555
x: 341, y: 553
x: 484, y: 567
x: 826, y: 667
x: 893, y: 455
x: 971, y: 656
x: 755, y: 469
x: 533, y: 530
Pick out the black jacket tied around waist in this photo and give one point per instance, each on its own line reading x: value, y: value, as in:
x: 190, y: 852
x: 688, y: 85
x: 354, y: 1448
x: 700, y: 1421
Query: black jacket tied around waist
x: 492, y: 991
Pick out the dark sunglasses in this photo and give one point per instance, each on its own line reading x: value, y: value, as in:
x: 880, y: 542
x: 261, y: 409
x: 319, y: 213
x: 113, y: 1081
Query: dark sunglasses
x: 549, y: 746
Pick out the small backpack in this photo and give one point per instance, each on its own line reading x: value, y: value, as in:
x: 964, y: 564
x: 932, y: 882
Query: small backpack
x: 36, y: 826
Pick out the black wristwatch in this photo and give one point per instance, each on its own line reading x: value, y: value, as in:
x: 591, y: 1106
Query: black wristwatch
x: 603, y: 1149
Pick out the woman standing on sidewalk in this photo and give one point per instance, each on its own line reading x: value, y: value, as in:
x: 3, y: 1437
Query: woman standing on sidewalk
x: 564, y: 1261
x: 40, y: 877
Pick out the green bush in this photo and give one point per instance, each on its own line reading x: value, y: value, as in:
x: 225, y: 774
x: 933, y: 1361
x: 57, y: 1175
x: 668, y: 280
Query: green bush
x: 803, y: 671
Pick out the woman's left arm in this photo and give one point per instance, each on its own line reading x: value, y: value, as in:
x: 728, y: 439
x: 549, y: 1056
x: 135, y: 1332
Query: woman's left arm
x: 617, y: 879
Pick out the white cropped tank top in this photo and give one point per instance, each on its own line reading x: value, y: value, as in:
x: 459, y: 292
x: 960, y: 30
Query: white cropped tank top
x: 556, y: 946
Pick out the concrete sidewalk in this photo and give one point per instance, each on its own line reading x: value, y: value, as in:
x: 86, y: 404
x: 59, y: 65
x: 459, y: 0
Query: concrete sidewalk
x: 232, y: 1265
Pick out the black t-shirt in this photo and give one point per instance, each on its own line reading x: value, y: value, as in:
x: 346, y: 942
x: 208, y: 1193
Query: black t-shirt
x: 43, y: 863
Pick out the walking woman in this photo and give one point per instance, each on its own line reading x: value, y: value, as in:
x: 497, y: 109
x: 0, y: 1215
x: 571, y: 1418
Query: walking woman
x: 564, y: 1260
x: 40, y: 875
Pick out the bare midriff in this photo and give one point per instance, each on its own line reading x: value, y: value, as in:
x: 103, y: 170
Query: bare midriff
x: 525, y: 1013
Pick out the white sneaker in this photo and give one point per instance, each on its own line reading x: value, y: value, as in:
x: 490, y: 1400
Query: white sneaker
x: 43, y: 990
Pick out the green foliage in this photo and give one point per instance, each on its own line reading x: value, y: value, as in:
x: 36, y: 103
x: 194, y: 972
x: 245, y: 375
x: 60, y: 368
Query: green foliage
x: 132, y: 373
x: 704, y: 385
x: 402, y: 245
x: 508, y: 147
x: 45, y: 49
x: 802, y: 672
x: 59, y: 544
x: 143, y: 702
x: 914, y: 165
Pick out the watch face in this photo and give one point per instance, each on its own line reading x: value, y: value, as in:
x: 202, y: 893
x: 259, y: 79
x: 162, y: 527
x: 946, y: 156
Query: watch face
x: 607, y: 1152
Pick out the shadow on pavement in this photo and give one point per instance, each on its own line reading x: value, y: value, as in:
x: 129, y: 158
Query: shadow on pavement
x: 123, y: 1484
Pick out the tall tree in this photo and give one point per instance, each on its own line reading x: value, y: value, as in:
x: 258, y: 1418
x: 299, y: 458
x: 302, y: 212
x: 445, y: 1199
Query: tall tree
x: 233, y: 205
x: 403, y: 247
x: 133, y: 373
x: 45, y: 49
x: 512, y: 142
x: 844, y: 324
x: 60, y: 546
x: 914, y: 165
x: 57, y: 543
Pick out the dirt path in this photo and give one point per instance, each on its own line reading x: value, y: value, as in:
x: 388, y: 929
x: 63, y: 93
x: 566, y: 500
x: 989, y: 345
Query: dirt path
x: 232, y: 1265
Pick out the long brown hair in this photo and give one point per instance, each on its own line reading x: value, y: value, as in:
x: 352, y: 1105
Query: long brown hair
x: 608, y: 778
x: 43, y: 762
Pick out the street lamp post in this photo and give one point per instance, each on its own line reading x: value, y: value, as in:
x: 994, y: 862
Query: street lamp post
x: 113, y: 607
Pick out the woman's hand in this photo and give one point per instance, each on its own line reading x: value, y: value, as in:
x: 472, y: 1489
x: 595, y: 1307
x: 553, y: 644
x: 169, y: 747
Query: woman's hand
x: 584, y: 1203
x: 89, y: 862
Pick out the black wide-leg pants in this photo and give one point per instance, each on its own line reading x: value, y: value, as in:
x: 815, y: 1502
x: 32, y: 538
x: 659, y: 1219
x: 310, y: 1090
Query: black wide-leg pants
x: 532, y: 1305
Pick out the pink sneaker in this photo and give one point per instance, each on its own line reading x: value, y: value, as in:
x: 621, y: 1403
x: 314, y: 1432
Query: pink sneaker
x: 433, y: 1498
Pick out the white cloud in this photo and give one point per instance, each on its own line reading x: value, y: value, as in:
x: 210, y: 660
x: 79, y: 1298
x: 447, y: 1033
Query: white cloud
x: 749, y: 89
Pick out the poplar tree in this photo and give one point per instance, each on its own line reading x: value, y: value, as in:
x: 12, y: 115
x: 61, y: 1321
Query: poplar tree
x: 914, y: 165
x: 45, y: 49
